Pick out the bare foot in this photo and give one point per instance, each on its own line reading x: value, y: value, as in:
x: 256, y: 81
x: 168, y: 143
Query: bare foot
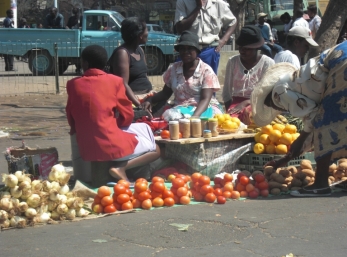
x: 118, y: 173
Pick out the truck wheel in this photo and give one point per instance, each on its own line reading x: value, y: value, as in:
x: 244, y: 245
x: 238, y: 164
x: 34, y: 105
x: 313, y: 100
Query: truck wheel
x: 155, y: 61
x: 41, y: 63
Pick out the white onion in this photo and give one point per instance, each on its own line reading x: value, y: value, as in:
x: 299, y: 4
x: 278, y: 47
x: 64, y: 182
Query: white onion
x: 64, y: 190
x: 62, y: 208
x: 10, y: 180
x: 23, y: 206
x: 17, y: 222
x: 62, y: 199
x: 56, y: 172
x: 26, y: 193
x: 55, y: 215
x: 5, y: 194
x: 5, y: 223
x: 3, y: 215
x: 16, y: 192
x: 64, y: 178
x: 24, y: 185
x: 71, y: 214
x: 78, y: 203
x: 43, y: 208
x: 20, y: 175
x: 27, y: 178
x: 44, y: 217
x: 30, y: 213
x: 53, y: 195
x: 6, y: 204
x: 70, y: 202
x: 46, y: 186
x: 51, y: 205
x: 34, y: 200
x: 36, y: 185
x: 55, y: 185
x: 70, y: 194
x: 15, y: 202
x: 82, y: 213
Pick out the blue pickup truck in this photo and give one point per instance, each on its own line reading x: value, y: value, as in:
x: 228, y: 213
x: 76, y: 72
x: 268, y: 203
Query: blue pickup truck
x: 99, y: 27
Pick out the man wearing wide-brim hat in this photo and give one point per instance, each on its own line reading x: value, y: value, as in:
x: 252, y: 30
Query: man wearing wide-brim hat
x: 266, y: 32
x: 317, y: 94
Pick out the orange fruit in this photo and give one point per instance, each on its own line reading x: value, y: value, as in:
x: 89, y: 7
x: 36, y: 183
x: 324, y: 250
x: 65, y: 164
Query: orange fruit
x: 220, y: 118
x: 286, y: 139
x: 257, y: 137
x: 275, y: 135
x: 228, y: 124
x: 266, y: 129
x: 270, y: 149
x: 279, y: 127
x: 289, y: 128
x: 264, y: 139
x: 236, y: 120
x: 226, y: 116
x: 281, y: 149
x: 259, y: 148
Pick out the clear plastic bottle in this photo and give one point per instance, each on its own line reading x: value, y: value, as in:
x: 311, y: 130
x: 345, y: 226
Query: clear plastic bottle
x: 174, y: 129
x: 196, y: 127
x: 213, y: 125
x: 184, y: 125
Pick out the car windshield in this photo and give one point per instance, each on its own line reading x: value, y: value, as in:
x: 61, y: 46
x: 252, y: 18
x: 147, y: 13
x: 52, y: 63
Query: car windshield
x: 118, y: 17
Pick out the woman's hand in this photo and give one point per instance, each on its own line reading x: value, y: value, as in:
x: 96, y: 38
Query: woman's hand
x: 239, y: 107
x: 147, y: 106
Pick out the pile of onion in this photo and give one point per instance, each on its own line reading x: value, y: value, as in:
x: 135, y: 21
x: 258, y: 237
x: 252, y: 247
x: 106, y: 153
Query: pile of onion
x: 25, y: 202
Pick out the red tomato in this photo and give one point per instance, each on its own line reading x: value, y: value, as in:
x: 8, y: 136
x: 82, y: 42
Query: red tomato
x: 244, y: 180
x: 228, y: 187
x: 228, y: 177
x: 218, y: 192
x: 253, y: 194
x: 182, y: 191
x: 165, y: 134
x: 104, y: 191
x: 155, y: 194
x: 260, y: 178
x: 169, y: 201
x: 228, y: 194
x: 124, y: 183
x: 140, y: 187
x: 263, y: 185
x: 264, y: 193
x: 110, y: 208
x: 146, y: 204
x: 195, y: 177
x: 177, y: 182
x: 97, y: 199
x: 249, y: 188
x: 136, y: 203
x: 106, y: 200
x: 123, y: 198
x: 157, y: 202
x: 240, y: 175
x: 184, y: 200
x: 198, y: 196
x: 127, y: 206
x: 205, y: 189
x: 119, y: 189
x: 210, y: 197
x: 144, y: 196
x: 158, y: 186
x: 98, y: 208
x: 221, y: 200
x: 157, y: 179
x: 204, y: 180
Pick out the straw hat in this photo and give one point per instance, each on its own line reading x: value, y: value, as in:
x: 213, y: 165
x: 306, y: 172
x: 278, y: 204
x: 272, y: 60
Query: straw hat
x: 263, y: 114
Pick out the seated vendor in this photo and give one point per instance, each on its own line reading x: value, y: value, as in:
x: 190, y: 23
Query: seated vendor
x: 243, y: 72
x: 192, y: 81
x: 100, y: 114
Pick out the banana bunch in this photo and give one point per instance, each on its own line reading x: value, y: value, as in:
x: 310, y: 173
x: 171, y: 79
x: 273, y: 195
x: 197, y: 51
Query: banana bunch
x: 279, y: 120
x: 251, y: 130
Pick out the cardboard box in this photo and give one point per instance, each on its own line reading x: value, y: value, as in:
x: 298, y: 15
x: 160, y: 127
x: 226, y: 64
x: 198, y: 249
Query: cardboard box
x: 35, y: 161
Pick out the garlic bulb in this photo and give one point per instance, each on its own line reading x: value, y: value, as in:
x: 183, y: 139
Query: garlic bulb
x: 36, y: 185
x: 62, y: 209
x: 71, y: 214
x: 62, y: 199
x: 16, y: 192
x: 46, y: 186
x: 55, y: 185
x: 27, y: 178
x: 53, y: 195
x: 20, y: 175
x: 15, y: 202
x: 56, y: 172
x: 64, y: 178
x: 6, y: 204
x: 34, y: 201
x: 64, y: 190
x: 23, y: 206
x: 30, y: 213
x: 26, y: 193
x: 25, y: 185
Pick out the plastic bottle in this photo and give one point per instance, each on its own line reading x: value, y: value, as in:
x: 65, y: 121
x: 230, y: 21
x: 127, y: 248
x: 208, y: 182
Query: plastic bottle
x: 174, y: 129
x: 213, y: 125
x: 196, y: 127
x: 184, y: 125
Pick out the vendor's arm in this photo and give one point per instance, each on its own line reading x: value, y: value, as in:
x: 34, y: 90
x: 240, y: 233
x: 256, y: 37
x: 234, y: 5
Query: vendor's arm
x: 163, y: 95
x: 205, y: 98
x: 123, y: 105
x: 228, y: 84
x: 120, y: 64
x: 185, y: 20
x: 68, y: 107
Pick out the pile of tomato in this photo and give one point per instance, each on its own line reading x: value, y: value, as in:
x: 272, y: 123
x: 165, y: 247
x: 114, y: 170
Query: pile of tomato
x: 183, y: 189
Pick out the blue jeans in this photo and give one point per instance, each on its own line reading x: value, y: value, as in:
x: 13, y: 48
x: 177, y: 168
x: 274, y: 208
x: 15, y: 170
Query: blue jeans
x: 267, y: 49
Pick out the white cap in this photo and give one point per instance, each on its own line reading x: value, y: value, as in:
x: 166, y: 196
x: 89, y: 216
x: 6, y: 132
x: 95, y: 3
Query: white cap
x: 299, y: 31
x: 261, y: 14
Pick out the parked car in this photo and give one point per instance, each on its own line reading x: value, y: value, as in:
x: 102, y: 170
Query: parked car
x: 155, y: 28
x: 41, y: 46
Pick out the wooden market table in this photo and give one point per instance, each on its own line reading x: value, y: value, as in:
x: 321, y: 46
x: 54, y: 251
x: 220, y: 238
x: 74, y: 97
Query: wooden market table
x: 191, y: 140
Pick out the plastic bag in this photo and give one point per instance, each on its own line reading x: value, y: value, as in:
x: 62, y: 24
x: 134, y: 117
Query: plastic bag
x: 172, y: 114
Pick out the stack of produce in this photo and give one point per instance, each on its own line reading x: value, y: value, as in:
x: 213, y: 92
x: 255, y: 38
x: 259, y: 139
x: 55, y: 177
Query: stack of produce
x: 289, y: 178
x: 227, y: 123
x: 276, y: 138
x: 338, y: 172
x: 254, y: 187
x: 25, y: 202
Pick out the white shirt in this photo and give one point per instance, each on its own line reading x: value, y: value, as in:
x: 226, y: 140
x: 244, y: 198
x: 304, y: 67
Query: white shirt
x: 300, y: 93
x: 314, y: 25
x: 301, y: 22
x: 287, y: 56
x: 209, y: 22
x: 237, y: 83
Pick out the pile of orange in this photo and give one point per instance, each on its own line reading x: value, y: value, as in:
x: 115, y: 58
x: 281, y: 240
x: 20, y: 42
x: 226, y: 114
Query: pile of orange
x: 225, y: 121
x: 275, y: 139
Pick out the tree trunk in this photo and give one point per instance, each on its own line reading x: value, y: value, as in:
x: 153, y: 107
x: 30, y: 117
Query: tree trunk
x: 238, y: 8
x: 331, y: 26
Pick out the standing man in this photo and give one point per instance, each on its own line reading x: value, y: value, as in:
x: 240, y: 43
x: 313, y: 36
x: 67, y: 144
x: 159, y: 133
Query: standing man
x: 206, y: 18
x: 267, y: 35
x: 54, y: 20
x: 315, y: 19
x: 9, y: 23
x: 74, y: 21
x: 298, y: 41
x: 300, y: 21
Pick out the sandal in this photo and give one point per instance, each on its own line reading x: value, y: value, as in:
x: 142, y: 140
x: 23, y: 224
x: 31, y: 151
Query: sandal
x: 342, y: 186
x: 311, y: 193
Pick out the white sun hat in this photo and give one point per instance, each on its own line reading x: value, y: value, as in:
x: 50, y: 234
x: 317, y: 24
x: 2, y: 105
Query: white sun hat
x: 262, y: 114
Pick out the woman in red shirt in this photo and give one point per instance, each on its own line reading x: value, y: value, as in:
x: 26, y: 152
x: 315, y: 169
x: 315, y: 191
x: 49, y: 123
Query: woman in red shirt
x: 100, y: 114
